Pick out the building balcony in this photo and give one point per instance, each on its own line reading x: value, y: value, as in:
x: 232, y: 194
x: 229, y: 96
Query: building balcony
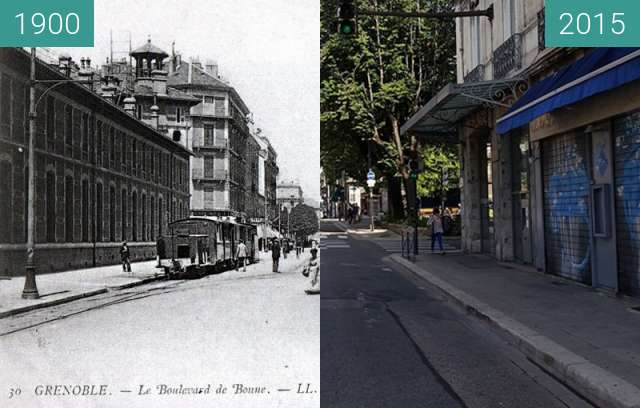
x: 209, y: 110
x: 475, y: 75
x: 507, y: 57
x: 217, y: 144
x: 209, y: 175
x: 215, y: 206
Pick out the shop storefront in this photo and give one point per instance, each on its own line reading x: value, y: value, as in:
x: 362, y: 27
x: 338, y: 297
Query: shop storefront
x: 584, y: 125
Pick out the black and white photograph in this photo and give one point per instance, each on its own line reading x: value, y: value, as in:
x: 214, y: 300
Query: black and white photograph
x: 159, y: 210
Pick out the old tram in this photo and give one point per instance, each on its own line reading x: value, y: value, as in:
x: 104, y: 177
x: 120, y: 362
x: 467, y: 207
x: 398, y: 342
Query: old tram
x: 199, y: 246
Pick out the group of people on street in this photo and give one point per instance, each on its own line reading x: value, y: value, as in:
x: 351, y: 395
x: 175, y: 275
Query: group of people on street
x: 313, y: 269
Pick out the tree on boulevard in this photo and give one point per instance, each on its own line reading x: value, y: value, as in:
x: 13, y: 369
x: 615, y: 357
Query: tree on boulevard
x: 439, y: 159
x: 372, y: 82
x: 304, y: 221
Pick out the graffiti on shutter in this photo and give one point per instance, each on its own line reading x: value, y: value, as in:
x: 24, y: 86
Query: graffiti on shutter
x: 566, y: 201
x: 627, y: 180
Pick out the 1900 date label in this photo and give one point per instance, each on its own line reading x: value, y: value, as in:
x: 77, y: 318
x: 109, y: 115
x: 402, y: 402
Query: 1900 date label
x: 46, y: 23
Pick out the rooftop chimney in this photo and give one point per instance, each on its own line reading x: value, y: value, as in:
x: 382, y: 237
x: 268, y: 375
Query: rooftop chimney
x: 212, y: 68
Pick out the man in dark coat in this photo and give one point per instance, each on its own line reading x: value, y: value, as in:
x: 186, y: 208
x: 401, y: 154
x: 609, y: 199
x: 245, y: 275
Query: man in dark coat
x: 124, y: 255
x: 275, y: 254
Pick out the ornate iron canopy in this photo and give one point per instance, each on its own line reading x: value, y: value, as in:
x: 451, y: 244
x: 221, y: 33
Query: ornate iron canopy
x: 443, y: 113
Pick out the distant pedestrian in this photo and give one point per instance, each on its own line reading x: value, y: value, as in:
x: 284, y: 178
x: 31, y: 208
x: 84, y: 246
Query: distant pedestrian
x: 160, y: 250
x: 436, y: 230
x: 298, y: 247
x: 275, y: 254
x: 241, y: 256
x: 285, y: 248
x: 124, y: 256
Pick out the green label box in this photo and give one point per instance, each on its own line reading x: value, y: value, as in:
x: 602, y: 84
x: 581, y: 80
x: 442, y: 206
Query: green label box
x: 592, y: 23
x: 46, y: 23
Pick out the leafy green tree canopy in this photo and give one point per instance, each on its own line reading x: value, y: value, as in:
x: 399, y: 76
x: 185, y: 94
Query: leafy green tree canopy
x: 304, y: 221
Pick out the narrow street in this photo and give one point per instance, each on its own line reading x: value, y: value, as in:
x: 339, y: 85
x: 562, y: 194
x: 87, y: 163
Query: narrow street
x: 255, y: 329
x: 390, y: 340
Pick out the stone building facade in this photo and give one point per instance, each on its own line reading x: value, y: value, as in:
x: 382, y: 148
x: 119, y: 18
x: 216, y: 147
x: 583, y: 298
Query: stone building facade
x: 221, y: 136
x: 549, y: 143
x: 102, y: 176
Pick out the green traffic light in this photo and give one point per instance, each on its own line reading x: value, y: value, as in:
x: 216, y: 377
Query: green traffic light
x: 347, y: 27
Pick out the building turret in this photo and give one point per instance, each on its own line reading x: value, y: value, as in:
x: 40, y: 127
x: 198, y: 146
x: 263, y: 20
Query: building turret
x: 150, y: 71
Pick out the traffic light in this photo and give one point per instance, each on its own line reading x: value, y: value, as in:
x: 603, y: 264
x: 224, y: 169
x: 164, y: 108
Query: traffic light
x: 346, y: 17
x: 414, y: 168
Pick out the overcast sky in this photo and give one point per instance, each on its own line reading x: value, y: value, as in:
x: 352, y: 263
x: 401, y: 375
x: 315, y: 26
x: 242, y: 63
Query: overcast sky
x: 268, y: 49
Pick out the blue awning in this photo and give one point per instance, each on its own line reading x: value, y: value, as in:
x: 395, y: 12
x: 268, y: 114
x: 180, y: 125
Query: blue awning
x: 599, y: 71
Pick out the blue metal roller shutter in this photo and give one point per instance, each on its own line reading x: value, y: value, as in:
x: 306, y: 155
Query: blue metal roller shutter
x: 566, y: 202
x: 627, y: 181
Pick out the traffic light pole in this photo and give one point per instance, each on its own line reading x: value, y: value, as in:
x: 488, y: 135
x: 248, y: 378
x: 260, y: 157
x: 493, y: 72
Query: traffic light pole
x: 443, y: 15
x: 416, y: 216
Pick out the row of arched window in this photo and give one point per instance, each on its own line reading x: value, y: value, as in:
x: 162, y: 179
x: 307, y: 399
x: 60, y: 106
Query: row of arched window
x: 144, y: 215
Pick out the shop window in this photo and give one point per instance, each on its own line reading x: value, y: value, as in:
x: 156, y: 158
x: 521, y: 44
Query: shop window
x: 134, y: 216
x: 112, y: 214
x: 143, y: 206
x: 85, y: 210
x: 123, y: 215
x: 160, y: 216
x: 6, y: 196
x: 68, y: 209
x: 68, y: 127
x: 50, y: 198
x: 99, y: 212
x: 51, y: 124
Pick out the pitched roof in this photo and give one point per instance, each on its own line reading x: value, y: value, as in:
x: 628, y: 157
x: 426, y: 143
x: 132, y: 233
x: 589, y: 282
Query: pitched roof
x: 172, y: 93
x: 149, y: 48
x: 183, y: 79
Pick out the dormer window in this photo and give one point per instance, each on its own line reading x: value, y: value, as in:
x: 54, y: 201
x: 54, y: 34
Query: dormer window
x: 179, y: 117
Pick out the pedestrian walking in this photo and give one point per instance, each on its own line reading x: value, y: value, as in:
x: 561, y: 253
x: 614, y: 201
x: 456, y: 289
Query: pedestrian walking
x: 298, y: 247
x: 285, y: 248
x: 241, y: 256
x: 124, y: 256
x: 275, y: 255
x: 313, y: 270
x: 436, y: 230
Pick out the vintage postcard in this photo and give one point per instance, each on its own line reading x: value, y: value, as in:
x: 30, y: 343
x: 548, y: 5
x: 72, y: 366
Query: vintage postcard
x: 160, y: 204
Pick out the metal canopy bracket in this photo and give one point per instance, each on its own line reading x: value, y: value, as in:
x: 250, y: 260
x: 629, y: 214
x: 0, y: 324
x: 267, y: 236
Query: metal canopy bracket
x: 454, y: 102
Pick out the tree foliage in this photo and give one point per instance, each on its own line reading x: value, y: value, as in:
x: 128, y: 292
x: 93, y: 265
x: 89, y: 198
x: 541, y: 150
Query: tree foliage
x: 439, y: 159
x: 372, y: 83
x: 304, y: 221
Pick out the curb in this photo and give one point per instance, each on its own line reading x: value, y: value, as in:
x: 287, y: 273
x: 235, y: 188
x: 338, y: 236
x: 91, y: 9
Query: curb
x: 73, y: 298
x: 597, y: 385
x: 138, y: 283
x: 57, y: 302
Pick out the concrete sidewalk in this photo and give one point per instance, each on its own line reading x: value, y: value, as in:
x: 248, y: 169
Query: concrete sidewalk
x: 588, y: 340
x: 63, y: 287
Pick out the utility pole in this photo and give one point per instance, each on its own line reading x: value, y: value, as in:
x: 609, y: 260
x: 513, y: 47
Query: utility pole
x: 30, y: 290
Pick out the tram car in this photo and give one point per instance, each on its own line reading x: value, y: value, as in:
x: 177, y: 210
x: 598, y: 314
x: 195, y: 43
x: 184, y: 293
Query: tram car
x: 200, y: 246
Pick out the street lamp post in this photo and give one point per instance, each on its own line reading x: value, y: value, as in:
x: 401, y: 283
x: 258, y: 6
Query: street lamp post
x: 371, y: 183
x: 30, y: 290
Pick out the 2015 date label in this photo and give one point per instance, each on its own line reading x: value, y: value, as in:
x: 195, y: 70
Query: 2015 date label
x: 592, y: 23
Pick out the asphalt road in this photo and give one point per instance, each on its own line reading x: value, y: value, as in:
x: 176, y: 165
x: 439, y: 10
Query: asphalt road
x: 389, y: 340
x: 257, y: 329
